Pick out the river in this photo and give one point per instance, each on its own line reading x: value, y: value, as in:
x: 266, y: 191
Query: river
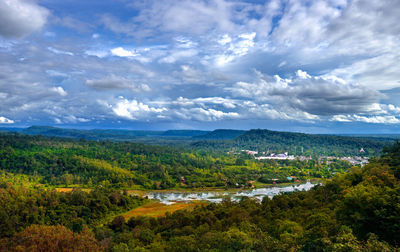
x: 169, y: 198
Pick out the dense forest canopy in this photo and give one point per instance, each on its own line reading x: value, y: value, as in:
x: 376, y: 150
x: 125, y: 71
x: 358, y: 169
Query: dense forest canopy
x: 222, y: 140
x: 355, y: 211
x: 298, y: 143
x: 62, y: 161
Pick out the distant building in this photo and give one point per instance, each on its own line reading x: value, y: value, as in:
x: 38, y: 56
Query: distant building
x: 251, y: 152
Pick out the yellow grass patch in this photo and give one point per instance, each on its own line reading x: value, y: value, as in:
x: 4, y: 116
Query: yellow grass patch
x: 156, y: 209
x: 65, y: 189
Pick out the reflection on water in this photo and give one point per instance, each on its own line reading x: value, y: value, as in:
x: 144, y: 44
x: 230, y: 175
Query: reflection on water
x: 169, y: 198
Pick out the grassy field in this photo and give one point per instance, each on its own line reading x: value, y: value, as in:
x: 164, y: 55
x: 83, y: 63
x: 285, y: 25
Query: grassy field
x: 156, y: 209
x: 68, y: 189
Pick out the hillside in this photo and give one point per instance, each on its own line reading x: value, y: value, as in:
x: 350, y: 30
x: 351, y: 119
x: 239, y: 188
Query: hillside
x: 298, y: 143
x: 95, y: 134
x: 221, y: 134
x: 184, y: 133
x: 66, y: 161
x: 223, y: 140
x: 356, y: 211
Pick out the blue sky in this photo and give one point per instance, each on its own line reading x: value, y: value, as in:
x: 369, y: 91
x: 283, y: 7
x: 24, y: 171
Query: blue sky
x: 312, y: 66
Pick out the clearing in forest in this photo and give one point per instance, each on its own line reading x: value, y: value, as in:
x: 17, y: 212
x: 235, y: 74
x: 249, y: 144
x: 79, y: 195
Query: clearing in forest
x: 157, y: 209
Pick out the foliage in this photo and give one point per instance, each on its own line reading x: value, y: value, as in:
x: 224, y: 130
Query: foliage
x: 22, y: 207
x: 68, y: 162
x: 297, y: 143
x: 357, y: 211
x: 50, y: 238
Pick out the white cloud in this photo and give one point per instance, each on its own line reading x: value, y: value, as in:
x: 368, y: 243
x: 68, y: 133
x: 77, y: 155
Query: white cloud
x: 390, y: 119
x: 315, y: 95
x: 135, y: 110
x: 183, y: 42
x: 394, y: 109
x: 59, y: 90
x: 74, y: 119
x: 57, y: 121
x: 121, y: 52
x: 233, y: 48
x: 381, y: 72
x: 55, y: 73
x: 97, y: 53
x: 202, y: 114
x: 341, y: 118
x: 303, y: 75
x: 19, y: 18
x: 57, y: 51
x: 225, y: 39
x: 206, y: 101
x: 5, y: 120
x: 177, y: 55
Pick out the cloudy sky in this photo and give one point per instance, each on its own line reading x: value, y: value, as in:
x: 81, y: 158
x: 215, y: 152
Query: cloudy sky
x: 329, y: 66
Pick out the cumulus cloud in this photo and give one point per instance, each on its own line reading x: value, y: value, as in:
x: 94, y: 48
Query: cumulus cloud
x: 206, y: 101
x: 121, y: 52
x: 19, y: 18
x: 233, y: 48
x: 389, y: 119
x: 59, y: 90
x: 317, y: 95
x: 199, y: 57
x: 201, y: 114
x: 135, y: 110
x: 5, y: 120
x: 190, y: 17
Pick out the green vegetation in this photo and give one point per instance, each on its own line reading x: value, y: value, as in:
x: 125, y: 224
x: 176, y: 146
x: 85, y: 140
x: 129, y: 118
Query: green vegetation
x: 298, y: 143
x: 221, y: 134
x: 69, y: 162
x: 358, y: 210
x: 23, y: 206
x: 223, y: 140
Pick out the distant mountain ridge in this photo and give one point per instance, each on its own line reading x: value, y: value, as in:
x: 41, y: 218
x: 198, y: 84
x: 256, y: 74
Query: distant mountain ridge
x: 115, y: 134
x: 221, y: 134
x: 185, y: 133
x: 95, y: 134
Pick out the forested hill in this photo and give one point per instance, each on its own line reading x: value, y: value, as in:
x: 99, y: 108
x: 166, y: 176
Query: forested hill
x: 95, y: 134
x: 223, y: 140
x: 184, y: 133
x: 356, y: 211
x: 299, y: 143
x: 65, y: 161
x: 221, y: 134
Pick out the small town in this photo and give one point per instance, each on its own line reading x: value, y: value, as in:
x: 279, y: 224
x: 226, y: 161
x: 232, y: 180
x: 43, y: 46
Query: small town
x: 355, y: 160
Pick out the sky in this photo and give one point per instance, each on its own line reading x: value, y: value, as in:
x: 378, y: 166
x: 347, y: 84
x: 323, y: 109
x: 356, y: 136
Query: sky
x: 329, y: 66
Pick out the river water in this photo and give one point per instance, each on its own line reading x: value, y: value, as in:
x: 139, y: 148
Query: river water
x: 169, y: 198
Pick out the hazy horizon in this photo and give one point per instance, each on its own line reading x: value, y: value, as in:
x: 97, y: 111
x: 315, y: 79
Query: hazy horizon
x: 197, y: 129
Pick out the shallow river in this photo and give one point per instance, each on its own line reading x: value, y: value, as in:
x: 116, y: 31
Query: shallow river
x: 216, y: 196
